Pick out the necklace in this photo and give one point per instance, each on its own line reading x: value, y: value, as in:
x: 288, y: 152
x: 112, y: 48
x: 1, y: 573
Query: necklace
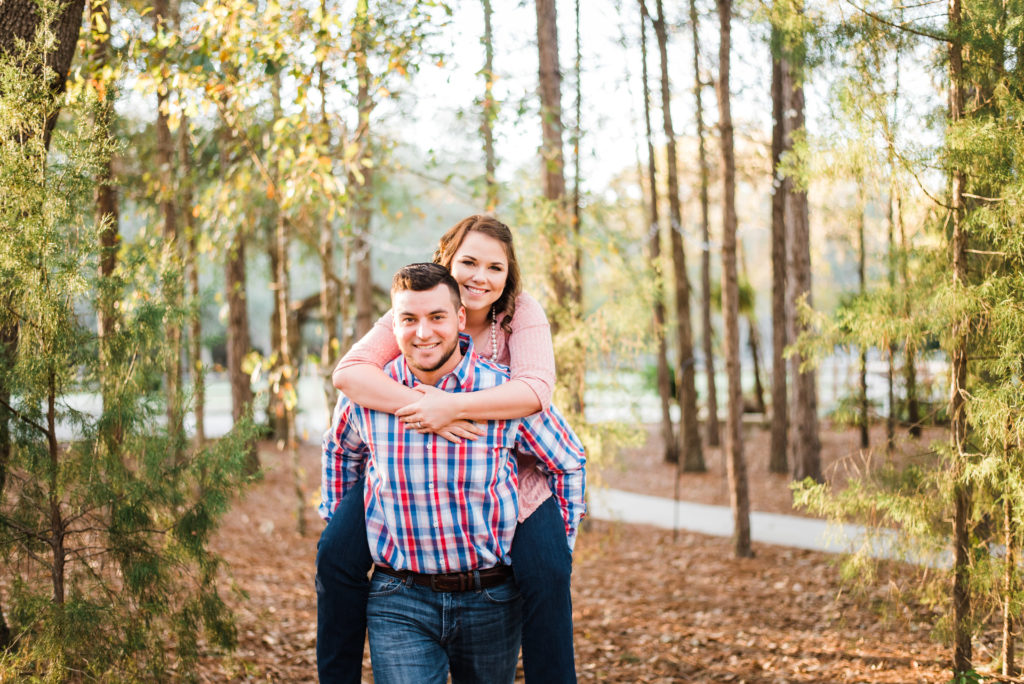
x: 494, y: 336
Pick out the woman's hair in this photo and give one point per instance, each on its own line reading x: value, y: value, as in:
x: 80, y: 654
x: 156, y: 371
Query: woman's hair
x: 492, y: 227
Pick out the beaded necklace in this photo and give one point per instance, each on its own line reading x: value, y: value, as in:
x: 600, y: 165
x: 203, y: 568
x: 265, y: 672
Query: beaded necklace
x: 494, y: 335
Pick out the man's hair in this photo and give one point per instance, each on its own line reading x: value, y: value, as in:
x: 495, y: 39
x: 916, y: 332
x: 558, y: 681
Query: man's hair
x: 423, y: 277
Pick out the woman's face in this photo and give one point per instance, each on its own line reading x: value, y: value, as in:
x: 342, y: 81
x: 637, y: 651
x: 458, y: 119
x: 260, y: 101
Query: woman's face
x: 480, y: 266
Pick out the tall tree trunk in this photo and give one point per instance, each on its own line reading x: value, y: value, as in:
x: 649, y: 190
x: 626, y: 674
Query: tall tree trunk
x: 107, y: 215
x: 238, y: 343
x: 754, y: 338
x: 962, y: 496
x: 735, y: 464
x: 331, y: 348
x: 563, y: 270
x: 577, y: 134
x: 804, y: 440
x: 489, y: 112
x: 1010, y: 589
x: 777, y: 461
x: 167, y: 199
x: 195, y: 353
x: 671, y: 448
x: 707, y: 332
x: 361, y: 181
x: 865, y: 435
x: 690, y: 447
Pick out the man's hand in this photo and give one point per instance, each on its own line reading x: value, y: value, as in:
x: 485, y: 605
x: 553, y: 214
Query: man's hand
x: 437, y: 412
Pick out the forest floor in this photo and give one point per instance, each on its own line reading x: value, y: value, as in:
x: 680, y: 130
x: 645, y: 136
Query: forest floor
x: 649, y: 606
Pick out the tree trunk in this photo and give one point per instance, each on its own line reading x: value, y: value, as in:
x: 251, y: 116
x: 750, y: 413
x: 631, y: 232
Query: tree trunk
x: 577, y: 134
x: 489, y: 112
x: 777, y: 461
x: 238, y: 336
x: 166, y: 197
x: 865, y: 435
x: 1009, y: 636
x: 361, y: 182
x: 107, y: 215
x: 195, y: 336
x: 754, y: 338
x: 671, y: 448
x: 19, y: 20
x: 804, y: 440
x: 690, y: 447
x: 564, y: 268
x: 331, y: 348
x: 707, y: 332
x: 958, y: 377
x: 735, y: 464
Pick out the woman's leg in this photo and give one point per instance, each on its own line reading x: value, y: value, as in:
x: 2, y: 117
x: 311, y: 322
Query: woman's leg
x: 543, y: 566
x: 342, y: 563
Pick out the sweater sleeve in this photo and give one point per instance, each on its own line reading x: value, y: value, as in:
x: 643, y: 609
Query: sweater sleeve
x: 531, y: 355
x: 376, y: 347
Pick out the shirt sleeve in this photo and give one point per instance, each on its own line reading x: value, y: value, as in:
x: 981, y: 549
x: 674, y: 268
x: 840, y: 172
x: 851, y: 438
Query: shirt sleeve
x: 531, y: 355
x: 560, y: 455
x: 344, y: 457
x: 377, y: 346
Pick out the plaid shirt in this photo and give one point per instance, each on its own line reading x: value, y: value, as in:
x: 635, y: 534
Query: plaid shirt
x: 433, y: 506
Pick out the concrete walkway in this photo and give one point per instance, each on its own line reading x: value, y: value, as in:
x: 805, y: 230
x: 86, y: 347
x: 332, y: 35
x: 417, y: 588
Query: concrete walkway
x: 769, y: 528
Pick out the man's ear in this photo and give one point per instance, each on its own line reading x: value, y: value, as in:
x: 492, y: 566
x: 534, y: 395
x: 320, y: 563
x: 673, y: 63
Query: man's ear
x: 462, y: 318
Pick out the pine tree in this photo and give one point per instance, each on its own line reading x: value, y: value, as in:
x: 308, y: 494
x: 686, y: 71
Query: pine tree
x: 108, y: 546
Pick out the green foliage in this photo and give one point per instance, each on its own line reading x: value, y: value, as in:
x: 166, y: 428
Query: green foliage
x: 106, y: 536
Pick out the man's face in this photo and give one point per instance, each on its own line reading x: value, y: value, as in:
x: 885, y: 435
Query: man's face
x: 427, y: 326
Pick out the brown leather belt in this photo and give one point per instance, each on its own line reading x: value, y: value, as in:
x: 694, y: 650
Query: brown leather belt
x: 470, y: 580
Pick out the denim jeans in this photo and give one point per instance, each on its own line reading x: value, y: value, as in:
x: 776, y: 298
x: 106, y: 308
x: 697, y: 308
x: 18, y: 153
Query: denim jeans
x: 543, y: 566
x: 418, y: 635
x: 540, y: 559
x: 342, y: 564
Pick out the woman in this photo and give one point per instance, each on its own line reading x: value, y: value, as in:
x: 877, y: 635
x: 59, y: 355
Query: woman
x: 507, y: 326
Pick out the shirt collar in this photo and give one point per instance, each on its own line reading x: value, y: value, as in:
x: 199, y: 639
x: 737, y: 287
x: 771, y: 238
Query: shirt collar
x: 463, y: 373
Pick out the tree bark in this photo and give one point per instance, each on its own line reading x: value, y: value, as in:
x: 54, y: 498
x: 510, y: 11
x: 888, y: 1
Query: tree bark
x: 707, y: 332
x: 195, y: 334
x: 735, y: 464
x: 489, y: 112
x: 804, y: 440
x: 166, y: 197
x: 671, y: 448
x: 564, y: 268
x: 19, y: 20
x: 361, y: 182
x: 331, y: 348
x: 238, y: 336
x: 777, y: 461
x: 962, y: 498
x: 1009, y: 636
x: 865, y: 435
x: 107, y: 214
x: 690, y: 446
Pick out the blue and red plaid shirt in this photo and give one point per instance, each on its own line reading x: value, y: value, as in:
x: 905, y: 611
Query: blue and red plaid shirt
x: 433, y: 506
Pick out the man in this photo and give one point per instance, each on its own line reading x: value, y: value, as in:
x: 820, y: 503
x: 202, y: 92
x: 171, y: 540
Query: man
x: 440, y: 516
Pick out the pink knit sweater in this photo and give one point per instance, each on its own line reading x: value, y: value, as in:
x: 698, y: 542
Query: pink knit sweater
x: 526, y: 351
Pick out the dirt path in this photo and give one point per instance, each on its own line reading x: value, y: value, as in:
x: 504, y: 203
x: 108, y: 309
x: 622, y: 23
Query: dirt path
x: 647, y: 607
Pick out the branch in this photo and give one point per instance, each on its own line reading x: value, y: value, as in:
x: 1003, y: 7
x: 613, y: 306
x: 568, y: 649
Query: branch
x: 902, y: 27
x: 24, y: 419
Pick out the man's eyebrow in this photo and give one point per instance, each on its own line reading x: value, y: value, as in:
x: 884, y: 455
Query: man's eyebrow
x: 402, y: 314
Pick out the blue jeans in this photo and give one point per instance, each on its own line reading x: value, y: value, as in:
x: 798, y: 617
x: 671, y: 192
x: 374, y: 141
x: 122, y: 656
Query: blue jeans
x: 543, y: 567
x: 418, y: 635
x: 342, y: 565
x: 540, y: 559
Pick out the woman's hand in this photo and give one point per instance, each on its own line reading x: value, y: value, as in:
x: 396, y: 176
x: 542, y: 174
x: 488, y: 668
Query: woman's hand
x: 437, y: 412
x: 435, y: 409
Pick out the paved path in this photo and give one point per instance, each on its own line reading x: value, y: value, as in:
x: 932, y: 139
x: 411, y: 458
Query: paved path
x: 769, y: 528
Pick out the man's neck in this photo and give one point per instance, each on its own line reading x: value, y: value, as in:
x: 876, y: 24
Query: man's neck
x: 433, y: 377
